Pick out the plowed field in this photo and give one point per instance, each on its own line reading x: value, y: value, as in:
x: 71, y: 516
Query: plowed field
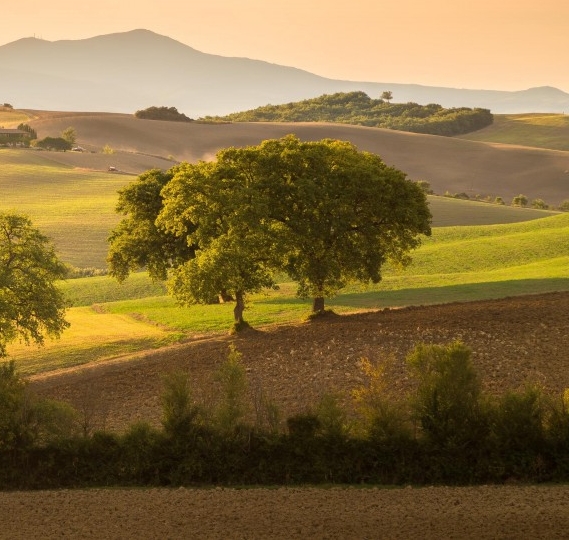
x: 514, y: 341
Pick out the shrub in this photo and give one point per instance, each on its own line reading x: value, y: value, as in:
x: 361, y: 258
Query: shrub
x: 520, y: 200
x: 564, y: 206
x: 53, y: 143
x: 540, y: 204
x: 447, y: 402
x: 232, y: 405
x: 180, y: 415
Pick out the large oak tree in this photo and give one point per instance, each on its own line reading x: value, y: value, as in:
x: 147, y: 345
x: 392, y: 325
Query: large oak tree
x: 322, y: 211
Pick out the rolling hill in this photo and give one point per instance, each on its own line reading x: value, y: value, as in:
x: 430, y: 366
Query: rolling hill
x: 538, y: 130
x: 449, y: 164
x: 127, y: 71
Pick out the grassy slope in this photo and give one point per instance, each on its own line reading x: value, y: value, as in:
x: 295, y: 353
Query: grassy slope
x: 537, y: 130
x: 11, y: 118
x: 455, y: 264
x: 74, y: 207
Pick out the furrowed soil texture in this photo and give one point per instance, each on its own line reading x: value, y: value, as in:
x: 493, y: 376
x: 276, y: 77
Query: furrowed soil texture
x: 514, y: 341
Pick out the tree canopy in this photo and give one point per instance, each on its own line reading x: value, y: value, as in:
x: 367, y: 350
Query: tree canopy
x: 31, y: 305
x: 54, y: 143
x: 323, y: 212
x: 359, y: 109
x: 170, y: 114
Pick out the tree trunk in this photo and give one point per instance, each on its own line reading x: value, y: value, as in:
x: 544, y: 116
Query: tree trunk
x: 318, y: 304
x: 239, y: 307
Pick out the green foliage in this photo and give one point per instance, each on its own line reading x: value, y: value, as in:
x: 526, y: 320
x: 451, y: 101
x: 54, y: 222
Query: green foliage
x: 28, y: 129
x: 180, y: 414
x: 137, y: 242
x: 53, y: 143
x: 31, y: 304
x: 25, y: 419
x: 564, y: 206
x: 232, y: 403
x: 358, y: 108
x: 320, y: 211
x: 520, y: 200
x: 108, y: 150
x: 425, y: 186
x: 539, y: 203
x: 339, y: 213
x: 332, y: 416
x: 69, y: 135
x: 465, y: 437
x: 519, y: 421
x: 382, y: 418
x: 170, y: 114
x: 447, y: 402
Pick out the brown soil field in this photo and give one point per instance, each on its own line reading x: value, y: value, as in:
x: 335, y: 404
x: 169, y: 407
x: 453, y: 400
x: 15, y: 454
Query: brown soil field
x: 514, y: 341
x: 488, y: 512
x: 449, y: 164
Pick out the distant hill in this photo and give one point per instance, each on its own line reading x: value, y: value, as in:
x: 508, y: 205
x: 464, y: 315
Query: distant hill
x: 359, y: 109
x: 133, y: 70
x: 449, y: 164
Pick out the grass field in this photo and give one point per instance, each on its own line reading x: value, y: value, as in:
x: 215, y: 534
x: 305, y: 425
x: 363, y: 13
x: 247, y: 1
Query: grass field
x: 76, y: 207
x: 455, y: 264
x: 11, y: 118
x: 538, y: 130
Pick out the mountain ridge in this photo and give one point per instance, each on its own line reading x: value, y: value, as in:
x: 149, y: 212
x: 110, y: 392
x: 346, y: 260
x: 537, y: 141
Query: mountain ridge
x: 126, y: 71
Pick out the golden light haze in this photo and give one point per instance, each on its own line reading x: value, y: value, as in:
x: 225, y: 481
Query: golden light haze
x: 490, y: 44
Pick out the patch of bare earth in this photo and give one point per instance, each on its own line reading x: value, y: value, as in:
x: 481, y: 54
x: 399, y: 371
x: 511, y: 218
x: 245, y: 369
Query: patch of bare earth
x: 488, y: 512
x: 514, y: 341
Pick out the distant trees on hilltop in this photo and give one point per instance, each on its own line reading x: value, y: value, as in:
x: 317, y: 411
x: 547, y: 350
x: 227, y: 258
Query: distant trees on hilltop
x: 170, y: 114
x: 359, y: 109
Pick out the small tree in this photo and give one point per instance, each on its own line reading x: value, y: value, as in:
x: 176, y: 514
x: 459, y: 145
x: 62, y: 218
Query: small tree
x: 233, y: 392
x: 425, y: 186
x: 448, y: 399
x: 520, y: 200
x: 564, y: 206
x: 69, y: 135
x: 540, y: 204
x: 180, y: 415
x: 387, y: 96
x: 31, y: 304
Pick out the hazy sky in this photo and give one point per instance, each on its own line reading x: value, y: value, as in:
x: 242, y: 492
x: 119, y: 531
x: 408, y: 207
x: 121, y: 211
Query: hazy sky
x: 490, y: 44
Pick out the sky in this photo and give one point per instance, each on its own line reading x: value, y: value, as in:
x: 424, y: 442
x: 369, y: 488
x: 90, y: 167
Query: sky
x: 478, y: 44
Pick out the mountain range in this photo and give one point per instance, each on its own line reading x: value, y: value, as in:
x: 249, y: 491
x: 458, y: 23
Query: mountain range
x: 128, y: 71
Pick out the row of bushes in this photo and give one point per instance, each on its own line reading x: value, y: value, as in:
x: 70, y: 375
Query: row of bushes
x: 445, y: 431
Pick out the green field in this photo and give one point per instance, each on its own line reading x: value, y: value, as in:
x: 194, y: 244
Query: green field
x: 76, y: 207
x: 455, y: 264
x: 538, y: 130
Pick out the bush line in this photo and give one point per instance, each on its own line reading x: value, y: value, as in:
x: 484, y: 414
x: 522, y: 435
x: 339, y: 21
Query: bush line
x: 446, y: 431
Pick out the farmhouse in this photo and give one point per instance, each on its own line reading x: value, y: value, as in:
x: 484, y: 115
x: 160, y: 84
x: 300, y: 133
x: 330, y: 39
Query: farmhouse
x: 12, y: 137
